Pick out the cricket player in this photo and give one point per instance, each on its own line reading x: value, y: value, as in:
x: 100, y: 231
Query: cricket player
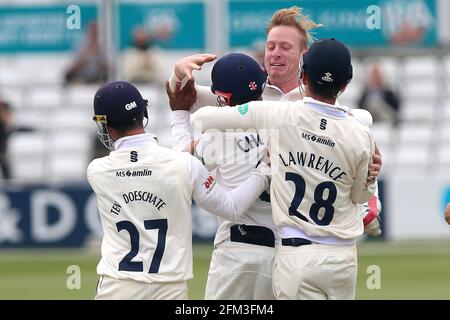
x: 244, y: 252
x: 238, y: 269
x: 287, y: 39
x: 288, y: 34
x: 320, y: 158
x: 144, y: 194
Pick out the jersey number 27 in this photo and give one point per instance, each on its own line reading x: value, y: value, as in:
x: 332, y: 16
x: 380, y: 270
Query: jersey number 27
x: 126, y: 264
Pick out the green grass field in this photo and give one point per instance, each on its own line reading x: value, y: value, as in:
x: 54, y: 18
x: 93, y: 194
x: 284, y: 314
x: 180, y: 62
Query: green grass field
x: 409, y: 270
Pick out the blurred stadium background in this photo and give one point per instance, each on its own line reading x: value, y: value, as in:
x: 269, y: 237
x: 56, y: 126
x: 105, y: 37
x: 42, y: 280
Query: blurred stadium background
x: 48, y: 214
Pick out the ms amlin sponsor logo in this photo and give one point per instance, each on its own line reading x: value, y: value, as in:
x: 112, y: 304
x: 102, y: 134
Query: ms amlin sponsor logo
x: 313, y: 138
x: 133, y: 173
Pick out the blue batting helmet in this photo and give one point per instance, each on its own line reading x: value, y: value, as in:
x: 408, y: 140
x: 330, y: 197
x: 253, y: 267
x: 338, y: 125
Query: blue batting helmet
x: 237, y: 78
x: 328, y: 63
x: 116, y: 102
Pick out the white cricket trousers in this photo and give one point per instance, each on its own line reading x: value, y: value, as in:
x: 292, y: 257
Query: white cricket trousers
x: 315, y: 272
x: 240, y: 271
x: 120, y: 289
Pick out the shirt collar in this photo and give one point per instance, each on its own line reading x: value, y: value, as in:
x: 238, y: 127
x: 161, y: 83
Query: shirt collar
x: 334, y: 110
x: 296, y: 90
x: 138, y: 140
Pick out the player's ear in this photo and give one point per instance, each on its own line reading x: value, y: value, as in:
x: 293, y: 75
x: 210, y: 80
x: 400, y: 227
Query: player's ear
x: 112, y: 132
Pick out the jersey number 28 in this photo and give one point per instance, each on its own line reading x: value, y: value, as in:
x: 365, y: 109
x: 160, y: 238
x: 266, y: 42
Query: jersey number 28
x: 126, y: 264
x: 320, y: 202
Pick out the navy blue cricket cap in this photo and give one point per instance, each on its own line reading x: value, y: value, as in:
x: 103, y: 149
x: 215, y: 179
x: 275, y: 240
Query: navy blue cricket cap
x: 238, y: 78
x: 118, y: 101
x: 328, y: 63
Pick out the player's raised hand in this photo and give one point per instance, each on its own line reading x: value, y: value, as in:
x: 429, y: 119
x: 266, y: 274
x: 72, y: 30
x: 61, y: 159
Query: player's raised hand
x: 185, y: 66
x: 181, y: 99
x: 447, y: 213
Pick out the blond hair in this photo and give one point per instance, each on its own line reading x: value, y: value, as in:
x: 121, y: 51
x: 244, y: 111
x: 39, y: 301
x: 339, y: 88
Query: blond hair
x: 288, y: 17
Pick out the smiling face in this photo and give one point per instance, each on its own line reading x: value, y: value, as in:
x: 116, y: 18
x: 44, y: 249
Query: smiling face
x: 283, y: 51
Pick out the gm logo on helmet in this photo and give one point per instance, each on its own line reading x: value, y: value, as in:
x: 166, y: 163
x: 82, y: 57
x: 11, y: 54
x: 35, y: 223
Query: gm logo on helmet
x: 130, y: 106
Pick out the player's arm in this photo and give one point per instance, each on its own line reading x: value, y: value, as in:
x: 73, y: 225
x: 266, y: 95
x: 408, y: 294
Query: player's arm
x: 181, y: 130
x: 370, y: 211
x: 180, y: 125
x: 363, y: 188
x: 254, y: 115
x: 227, y: 204
x: 205, y: 97
x: 206, y: 149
